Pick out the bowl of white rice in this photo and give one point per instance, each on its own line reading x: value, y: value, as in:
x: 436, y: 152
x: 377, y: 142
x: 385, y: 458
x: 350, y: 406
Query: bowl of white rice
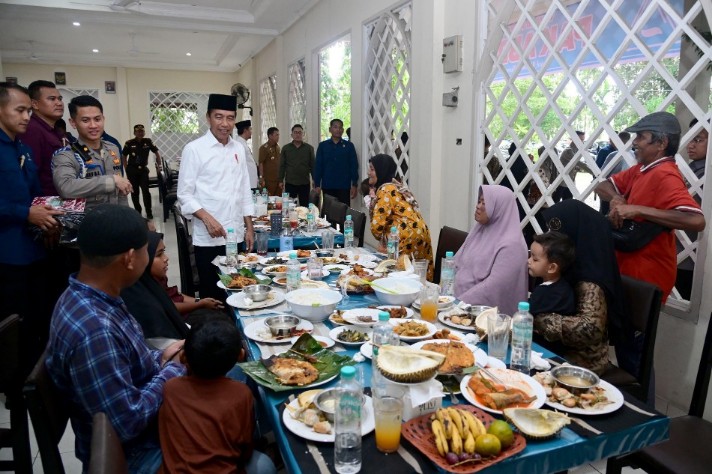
x: 397, y: 291
x: 313, y: 304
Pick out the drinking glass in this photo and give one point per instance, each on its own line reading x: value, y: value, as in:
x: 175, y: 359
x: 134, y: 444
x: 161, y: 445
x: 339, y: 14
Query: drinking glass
x: 262, y: 243
x: 388, y: 411
x: 344, y: 293
x: 420, y: 268
x: 429, y: 302
x: 315, y: 269
x: 498, y: 327
x: 327, y: 239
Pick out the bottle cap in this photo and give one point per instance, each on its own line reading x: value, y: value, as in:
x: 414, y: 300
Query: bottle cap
x: 394, y: 229
x: 348, y: 218
x: 230, y: 230
x: 293, y: 255
x: 384, y: 316
x: 523, y: 306
x: 348, y: 372
x: 449, y: 254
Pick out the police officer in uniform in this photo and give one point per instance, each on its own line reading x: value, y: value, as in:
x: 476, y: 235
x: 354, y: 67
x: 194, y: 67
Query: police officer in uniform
x: 135, y: 155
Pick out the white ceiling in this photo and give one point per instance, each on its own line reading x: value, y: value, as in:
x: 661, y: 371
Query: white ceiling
x: 220, y: 34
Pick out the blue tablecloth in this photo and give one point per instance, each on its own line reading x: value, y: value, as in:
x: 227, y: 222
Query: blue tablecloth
x: 566, y: 451
x: 305, y: 240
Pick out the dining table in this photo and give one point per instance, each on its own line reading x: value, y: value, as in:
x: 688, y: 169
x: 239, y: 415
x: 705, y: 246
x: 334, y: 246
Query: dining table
x: 587, y: 439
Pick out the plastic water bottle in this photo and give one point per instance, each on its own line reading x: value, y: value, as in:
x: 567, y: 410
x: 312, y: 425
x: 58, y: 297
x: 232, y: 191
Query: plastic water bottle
x: 294, y: 272
x: 392, y: 246
x: 311, y: 219
x: 522, y: 328
x: 348, y: 232
x: 265, y: 196
x: 231, y: 248
x: 447, y: 275
x: 286, y: 241
x: 382, y: 335
x: 347, y: 423
x: 285, y: 205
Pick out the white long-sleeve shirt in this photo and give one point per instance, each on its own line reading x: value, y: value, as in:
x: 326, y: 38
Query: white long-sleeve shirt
x: 214, y: 177
x: 251, y: 165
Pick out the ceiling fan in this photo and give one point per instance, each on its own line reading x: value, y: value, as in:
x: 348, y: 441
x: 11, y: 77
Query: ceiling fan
x: 242, y: 92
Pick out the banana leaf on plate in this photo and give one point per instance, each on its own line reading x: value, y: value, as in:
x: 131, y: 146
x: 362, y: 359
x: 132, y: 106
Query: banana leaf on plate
x: 246, y: 272
x: 306, y: 348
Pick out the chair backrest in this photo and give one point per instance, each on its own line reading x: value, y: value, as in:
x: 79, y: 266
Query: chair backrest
x: 644, y: 300
x: 359, y: 219
x: 326, y: 204
x: 450, y: 239
x: 106, y: 455
x: 314, y: 198
x: 49, y: 415
x: 10, y: 377
x: 702, y: 383
x: 188, y: 284
x: 336, y: 213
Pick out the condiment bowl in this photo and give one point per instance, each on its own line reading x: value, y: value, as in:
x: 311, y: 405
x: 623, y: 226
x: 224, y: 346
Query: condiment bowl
x: 396, y: 291
x: 282, y: 325
x: 256, y: 292
x: 575, y: 379
x: 326, y: 403
x: 313, y: 304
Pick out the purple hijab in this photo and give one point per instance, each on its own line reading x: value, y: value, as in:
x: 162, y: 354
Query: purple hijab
x: 492, y: 263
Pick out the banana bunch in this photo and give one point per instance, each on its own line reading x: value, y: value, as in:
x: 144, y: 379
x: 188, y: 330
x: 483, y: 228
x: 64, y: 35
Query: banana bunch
x: 455, y: 430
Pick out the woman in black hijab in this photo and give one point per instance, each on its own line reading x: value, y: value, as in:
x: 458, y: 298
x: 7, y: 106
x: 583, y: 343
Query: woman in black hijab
x: 582, y: 338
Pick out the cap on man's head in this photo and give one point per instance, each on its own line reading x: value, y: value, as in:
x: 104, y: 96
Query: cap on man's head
x: 138, y: 127
x: 244, y: 124
x: 110, y: 229
x: 659, y: 122
x: 222, y: 102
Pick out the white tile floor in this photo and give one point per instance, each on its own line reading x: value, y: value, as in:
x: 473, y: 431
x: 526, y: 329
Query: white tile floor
x: 72, y: 465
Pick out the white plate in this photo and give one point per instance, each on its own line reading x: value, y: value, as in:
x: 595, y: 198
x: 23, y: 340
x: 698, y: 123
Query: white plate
x: 329, y: 342
x: 612, y: 393
x: 268, y: 270
x: 237, y: 300
x: 280, y: 280
x: 409, y: 313
x: 368, y: 423
x: 301, y: 259
x: 259, y: 332
x: 348, y: 270
x: 351, y: 316
x: 334, y: 334
x: 264, y: 260
x: 337, y: 323
x: 482, y: 360
x: 431, y: 329
x: 223, y: 287
x: 511, y: 378
x: 444, y: 302
x: 250, y: 258
x: 305, y: 274
x: 336, y: 267
x: 367, y: 350
x: 447, y: 322
x: 420, y: 344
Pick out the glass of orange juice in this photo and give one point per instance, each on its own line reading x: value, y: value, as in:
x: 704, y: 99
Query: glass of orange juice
x: 429, y: 302
x: 388, y: 411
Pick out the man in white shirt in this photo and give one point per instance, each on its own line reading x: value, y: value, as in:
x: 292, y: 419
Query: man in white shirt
x: 244, y: 133
x: 214, y: 187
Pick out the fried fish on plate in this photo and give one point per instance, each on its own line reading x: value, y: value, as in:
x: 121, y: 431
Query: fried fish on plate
x: 457, y: 356
x: 291, y: 371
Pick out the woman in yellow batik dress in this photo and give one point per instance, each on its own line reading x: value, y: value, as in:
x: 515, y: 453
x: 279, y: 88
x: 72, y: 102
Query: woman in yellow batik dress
x: 391, y: 203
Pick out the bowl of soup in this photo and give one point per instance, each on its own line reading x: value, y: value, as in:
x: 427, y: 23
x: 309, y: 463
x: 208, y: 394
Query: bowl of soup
x: 575, y: 379
x: 313, y: 304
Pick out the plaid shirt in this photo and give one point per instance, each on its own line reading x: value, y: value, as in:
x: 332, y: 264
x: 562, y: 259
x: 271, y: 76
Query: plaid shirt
x: 99, y: 360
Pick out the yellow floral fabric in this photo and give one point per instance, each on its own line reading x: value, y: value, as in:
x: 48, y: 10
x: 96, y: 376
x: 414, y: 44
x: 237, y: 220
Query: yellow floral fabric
x: 392, y: 209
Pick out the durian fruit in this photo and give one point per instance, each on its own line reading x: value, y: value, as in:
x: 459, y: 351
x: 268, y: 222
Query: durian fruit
x: 385, y: 265
x: 481, y: 321
x: 535, y: 423
x: 408, y: 365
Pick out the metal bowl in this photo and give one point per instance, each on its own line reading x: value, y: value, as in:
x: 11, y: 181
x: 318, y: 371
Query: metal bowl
x: 575, y: 379
x: 282, y: 325
x: 257, y: 292
x: 476, y: 309
x: 326, y: 403
x: 324, y: 253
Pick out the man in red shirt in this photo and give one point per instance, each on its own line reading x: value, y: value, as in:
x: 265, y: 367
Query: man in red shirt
x: 653, y: 190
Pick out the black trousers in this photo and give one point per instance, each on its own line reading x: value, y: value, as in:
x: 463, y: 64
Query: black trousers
x: 208, y: 273
x: 343, y: 195
x: 139, y: 181
x: 23, y: 291
x: 298, y: 190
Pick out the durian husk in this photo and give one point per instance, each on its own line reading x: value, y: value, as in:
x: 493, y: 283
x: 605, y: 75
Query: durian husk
x: 385, y: 266
x: 408, y: 365
x: 535, y: 423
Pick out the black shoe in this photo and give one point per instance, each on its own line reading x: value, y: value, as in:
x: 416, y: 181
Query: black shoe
x: 149, y: 215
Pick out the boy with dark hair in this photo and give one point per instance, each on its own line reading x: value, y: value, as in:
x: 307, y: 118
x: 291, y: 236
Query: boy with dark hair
x: 550, y: 255
x: 207, y: 420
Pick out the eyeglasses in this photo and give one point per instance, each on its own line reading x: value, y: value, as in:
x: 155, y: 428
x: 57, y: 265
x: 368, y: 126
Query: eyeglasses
x: 698, y: 140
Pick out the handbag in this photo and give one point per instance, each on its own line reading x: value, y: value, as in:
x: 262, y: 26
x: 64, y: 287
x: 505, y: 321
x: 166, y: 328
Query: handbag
x: 634, y: 235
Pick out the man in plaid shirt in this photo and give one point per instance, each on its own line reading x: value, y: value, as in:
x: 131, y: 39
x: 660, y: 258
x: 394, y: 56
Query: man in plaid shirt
x: 97, y: 355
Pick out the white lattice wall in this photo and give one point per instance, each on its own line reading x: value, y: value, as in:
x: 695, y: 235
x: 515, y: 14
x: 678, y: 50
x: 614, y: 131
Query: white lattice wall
x: 298, y: 96
x: 177, y: 118
x: 268, y: 105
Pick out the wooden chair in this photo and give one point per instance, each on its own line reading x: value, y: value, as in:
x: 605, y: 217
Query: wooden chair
x: 450, y: 239
x: 359, y: 219
x: 644, y: 301
x: 49, y: 415
x: 17, y: 436
x: 687, y: 451
x: 189, y: 281
x: 107, y: 454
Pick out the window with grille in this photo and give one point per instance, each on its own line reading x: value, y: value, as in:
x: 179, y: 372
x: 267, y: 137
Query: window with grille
x: 334, y: 85
x: 388, y: 86
x: 298, y: 96
x: 268, y: 105
x: 594, y: 66
x: 177, y: 118
x: 69, y: 93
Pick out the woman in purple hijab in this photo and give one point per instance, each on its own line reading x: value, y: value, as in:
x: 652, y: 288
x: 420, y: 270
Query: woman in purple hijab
x: 491, y: 266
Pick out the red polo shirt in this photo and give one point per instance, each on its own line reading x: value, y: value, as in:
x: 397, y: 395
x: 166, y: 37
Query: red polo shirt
x: 659, y: 185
